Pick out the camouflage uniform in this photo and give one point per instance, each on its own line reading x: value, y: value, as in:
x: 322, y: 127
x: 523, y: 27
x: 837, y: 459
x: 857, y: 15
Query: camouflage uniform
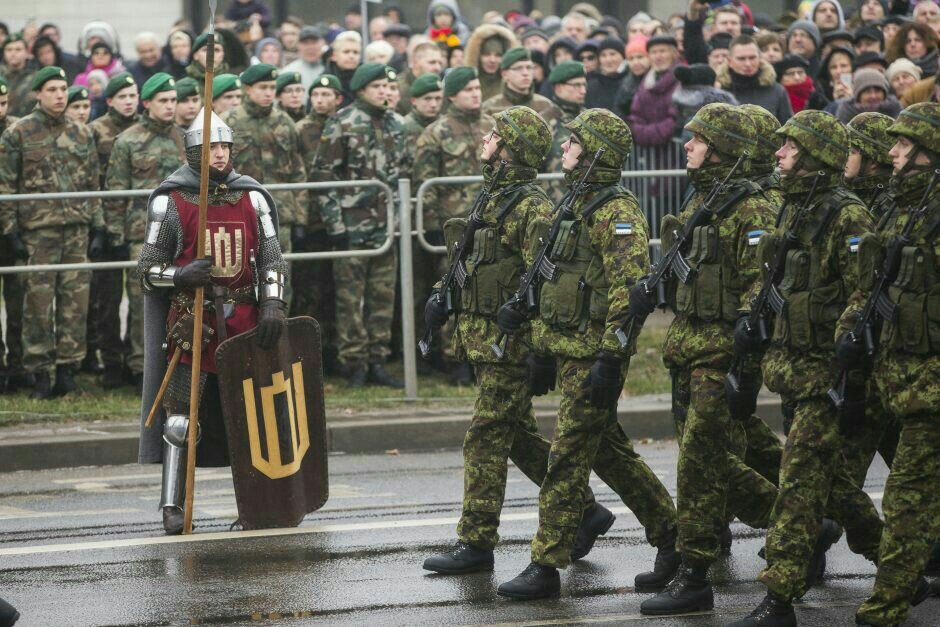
x: 40, y: 154
x: 296, y: 115
x: 906, y: 372
x: 142, y: 157
x: 540, y: 104
x: 11, y: 355
x: 22, y: 98
x: 821, y: 272
x: 599, y: 257
x: 362, y: 142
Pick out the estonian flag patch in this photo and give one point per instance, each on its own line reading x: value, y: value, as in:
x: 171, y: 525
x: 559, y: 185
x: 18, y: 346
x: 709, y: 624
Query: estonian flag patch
x: 753, y: 237
x: 853, y: 244
x: 623, y: 228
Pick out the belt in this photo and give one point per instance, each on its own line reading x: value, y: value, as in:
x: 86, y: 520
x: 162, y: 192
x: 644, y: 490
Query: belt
x: 239, y: 296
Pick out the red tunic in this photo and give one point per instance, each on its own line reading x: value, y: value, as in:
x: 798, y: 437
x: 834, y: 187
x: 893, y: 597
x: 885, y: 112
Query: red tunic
x: 231, y: 237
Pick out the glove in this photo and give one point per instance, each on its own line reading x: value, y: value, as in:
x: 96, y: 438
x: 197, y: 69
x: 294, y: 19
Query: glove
x: 271, y: 321
x: 603, y: 382
x: 641, y: 302
x: 194, y: 274
x: 435, y: 313
x: 542, y: 374
x: 434, y: 238
x: 742, y: 403
x: 509, y: 319
x: 298, y: 235
x: 17, y: 246
x: 851, y: 353
x: 120, y: 252
x: 339, y: 241
x: 97, y: 244
x: 746, y: 340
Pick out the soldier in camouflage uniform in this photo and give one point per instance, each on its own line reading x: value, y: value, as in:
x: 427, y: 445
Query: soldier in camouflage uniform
x: 364, y: 141
x: 79, y: 107
x: 196, y: 69
x: 503, y: 424
x: 569, y: 89
x: 600, y: 252
x: 142, y: 157
x: 19, y: 75
x: 226, y: 93
x: 427, y: 97
x: 11, y: 287
x: 268, y: 150
x: 290, y: 94
x: 45, y: 152
x: 518, y: 74
x: 821, y: 272
x: 187, y: 103
x: 107, y: 286
x: 907, y: 367
x: 713, y: 482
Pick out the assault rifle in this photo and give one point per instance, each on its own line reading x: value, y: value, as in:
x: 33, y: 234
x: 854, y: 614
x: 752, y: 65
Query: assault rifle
x: 672, y: 262
x: 457, y: 273
x: 542, y: 267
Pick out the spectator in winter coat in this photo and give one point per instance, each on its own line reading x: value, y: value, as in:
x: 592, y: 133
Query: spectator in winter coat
x: 834, y: 74
x: 870, y: 92
x: 752, y: 80
x: 901, y: 75
x: 485, y: 49
x: 241, y: 10
x: 696, y: 89
x: 604, y: 83
x: 803, y: 38
x: 917, y: 42
x: 653, y: 115
x: 827, y: 15
x: 176, y: 53
x: 444, y: 19
x: 638, y: 64
x: 792, y: 72
x: 149, y: 60
x: 102, y: 58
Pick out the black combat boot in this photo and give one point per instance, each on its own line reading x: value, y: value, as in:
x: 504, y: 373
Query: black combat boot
x: 725, y: 539
x: 933, y: 564
x: 172, y: 520
x: 90, y: 364
x: 689, y: 591
x: 357, y: 376
x: 668, y: 561
x: 378, y: 376
x: 64, y: 381
x: 535, y: 582
x: 8, y: 614
x: 463, y: 558
x: 43, y: 386
x: 114, y: 377
x: 595, y: 521
x: 773, y: 611
x: 829, y: 533
x: 462, y: 374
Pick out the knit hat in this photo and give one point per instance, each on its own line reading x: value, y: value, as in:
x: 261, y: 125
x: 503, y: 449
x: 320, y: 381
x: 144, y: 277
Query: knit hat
x: 161, y: 81
x: 186, y: 88
x: 903, y: 66
x: 326, y: 80
x: 367, y: 73
x: 808, y: 27
x: 223, y: 83
x: 866, y: 78
x: 612, y: 43
x: 46, y: 74
x: 457, y: 78
x: 787, y: 62
x: 636, y: 45
x: 264, y: 41
x: 286, y: 78
x: 257, y: 73
x: 117, y: 83
x: 565, y: 71
x: 533, y: 31
x: 425, y: 84
x: 695, y: 74
x: 513, y: 56
x: 76, y: 93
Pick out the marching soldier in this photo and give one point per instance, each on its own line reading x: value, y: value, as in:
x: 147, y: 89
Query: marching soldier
x: 601, y: 250
x: 290, y: 95
x: 170, y: 270
x: 79, y: 107
x: 187, y: 103
x: 142, y: 157
x: 35, y: 156
x: 11, y: 355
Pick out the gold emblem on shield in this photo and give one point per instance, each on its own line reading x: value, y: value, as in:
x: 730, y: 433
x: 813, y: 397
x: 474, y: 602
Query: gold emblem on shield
x: 269, y: 460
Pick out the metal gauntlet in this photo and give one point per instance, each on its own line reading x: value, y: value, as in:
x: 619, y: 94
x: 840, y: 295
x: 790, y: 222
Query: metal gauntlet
x: 272, y: 286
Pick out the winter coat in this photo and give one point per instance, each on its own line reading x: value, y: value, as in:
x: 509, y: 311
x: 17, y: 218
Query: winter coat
x: 492, y: 84
x: 689, y: 100
x: 653, y: 115
x: 921, y: 91
x: 927, y: 63
x: 459, y: 26
x: 847, y: 108
x: 238, y: 11
x: 602, y: 90
x: 761, y: 89
x: 115, y: 67
x: 625, y: 93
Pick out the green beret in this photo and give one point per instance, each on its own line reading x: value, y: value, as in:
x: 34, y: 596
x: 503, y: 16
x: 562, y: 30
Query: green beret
x: 457, y: 78
x: 565, y: 71
x: 48, y: 73
x: 77, y: 93
x: 186, y: 87
x: 287, y: 78
x: 326, y: 80
x: 117, y: 83
x: 390, y: 73
x: 224, y: 83
x: 514, y: 55
x: 367, y: 73
x: 4, y: 86
x: 425, y: 84
x: 161, y: 81
x: 257, y: 73
x: 201, y: 42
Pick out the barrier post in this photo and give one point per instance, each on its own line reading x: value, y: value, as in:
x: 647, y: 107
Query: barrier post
x: 406, y: 263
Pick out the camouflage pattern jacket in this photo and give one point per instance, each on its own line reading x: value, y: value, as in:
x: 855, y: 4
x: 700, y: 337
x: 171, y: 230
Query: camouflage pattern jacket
x: 404, y: 80
x: 22, y: 98
x: 105, y: 130
x: 41, y: 154
x: 540, y: 104
x: 361, y: 142
x: 267, y: 149
x: 450, y: 147
x: 7, y: 122
x: 142, y: 157
x: 414, y: 124
x: 296, y: 115
x: 309, y: 133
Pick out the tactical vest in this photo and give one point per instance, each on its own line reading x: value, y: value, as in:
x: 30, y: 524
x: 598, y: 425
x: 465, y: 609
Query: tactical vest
x: 578, y: 293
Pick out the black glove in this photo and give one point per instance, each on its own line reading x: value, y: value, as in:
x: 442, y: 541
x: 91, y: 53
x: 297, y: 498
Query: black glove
x: 509, y: 318
x: 742, y: 403
x: 746, y: 340
x: 17, y: 246
x: 435, y: 313
x: 851, y: 353
x: 339, y: 241
x: 298, y: 235
x: 641, y: 301
x: 542, y: 374
x: 434, y: 238
x: 119, y: 252
x: 194, y: 274
x: 604, y: 382
x: 271, y: 321
x: 97, y: 244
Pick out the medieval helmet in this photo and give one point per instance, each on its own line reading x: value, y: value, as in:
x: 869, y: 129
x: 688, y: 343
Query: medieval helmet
x: 219, y: 131
x: 600, y: 128
x: 821, y: 135
x: 525, y: 135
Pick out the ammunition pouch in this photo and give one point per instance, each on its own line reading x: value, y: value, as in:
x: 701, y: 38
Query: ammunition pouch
x: 492, y: 270
x: 916, y: 327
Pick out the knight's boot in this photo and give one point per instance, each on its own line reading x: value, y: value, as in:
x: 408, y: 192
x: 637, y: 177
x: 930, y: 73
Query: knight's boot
x: 173, y: 488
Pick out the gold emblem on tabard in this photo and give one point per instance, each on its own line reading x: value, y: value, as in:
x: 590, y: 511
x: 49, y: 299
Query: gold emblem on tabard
x: 269, y: 461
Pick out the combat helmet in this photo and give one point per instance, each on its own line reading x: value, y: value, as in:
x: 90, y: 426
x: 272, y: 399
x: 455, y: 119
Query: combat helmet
x: 768, y: 142
x: 600, y: 128
x: 823, y: 140
x: 727, y: 129
x: 868, y: 133
x: 525, y: 135
x: 920, y: 123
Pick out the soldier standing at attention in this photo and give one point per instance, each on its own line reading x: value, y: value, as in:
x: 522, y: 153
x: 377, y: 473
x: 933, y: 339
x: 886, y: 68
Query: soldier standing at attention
x: 268, y: 150
x: 601, y: 250
x: 34, y: 157
x: 143, y: 156
x: 569, y: 89
x: 107, y: 286
x: 187, y: 103
x: 226, y: 93
x: 18, y: 74
x: 427, y: 98
x: 290, y: 95
x: 364, y: 141
x: 518, y: 75
x: 79, y: 107
x: 11, y: 286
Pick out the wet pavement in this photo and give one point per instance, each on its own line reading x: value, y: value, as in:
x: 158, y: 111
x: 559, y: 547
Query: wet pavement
x: 84, y: 546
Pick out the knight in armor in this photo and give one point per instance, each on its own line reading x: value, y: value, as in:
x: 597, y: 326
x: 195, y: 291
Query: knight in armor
x: 243, y: 273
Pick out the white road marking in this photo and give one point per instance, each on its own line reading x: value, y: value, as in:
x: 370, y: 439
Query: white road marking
x: 13, y: 513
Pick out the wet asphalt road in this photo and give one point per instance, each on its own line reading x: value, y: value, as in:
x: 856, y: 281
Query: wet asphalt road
x: 85, y: 547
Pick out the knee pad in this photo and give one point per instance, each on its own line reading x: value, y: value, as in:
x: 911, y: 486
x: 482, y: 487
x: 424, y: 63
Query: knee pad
x: 174, y: 430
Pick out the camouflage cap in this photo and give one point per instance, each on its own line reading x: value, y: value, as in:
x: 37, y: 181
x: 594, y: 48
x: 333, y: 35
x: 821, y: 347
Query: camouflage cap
x: 821, y: 135
x: 524, y: 134
x: 921, y: 124
x: 186, y: 88
x: 119, y: 82
x: 222, y: 83
x: 425, y: 84
x: 258, y: 73
x: 565, y: 71
x: 766, y: 125
x: 161, y: 81
x: 327, y: 80
x: 600, y: 128
x: 4, y: 86
x: 457, y: 78
x: 513, y: 56
x: 367, y: 73
x: 77, y: 93
x: 285, y: 79
x: 46, y: 74
x: 868, y: 133
x: 726, y: 128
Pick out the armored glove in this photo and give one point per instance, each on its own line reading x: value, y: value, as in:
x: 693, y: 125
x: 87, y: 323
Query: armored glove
x: 742, y: 402
x: 542, y: 374
x: 339, y: 241
x: 604, y: 382
x: 97, y: 244
x: 298, y: 236
x: 271, y: 321
x: 746, y: 340
x: 17, y: 246
x: 434, y: 238
x: 435, y: 312
x: 641, y: 301
x: 509, y: 319
x: 851, y: 353
x: 194, y: 274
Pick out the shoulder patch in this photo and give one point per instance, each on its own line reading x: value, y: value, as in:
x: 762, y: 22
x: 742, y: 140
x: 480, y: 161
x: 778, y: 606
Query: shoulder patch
x: 623, y: 228
x: 753, y: 237
x: 853, y: 244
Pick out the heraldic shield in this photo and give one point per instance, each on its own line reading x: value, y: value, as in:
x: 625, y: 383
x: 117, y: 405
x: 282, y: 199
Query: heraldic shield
x: 272, y: 402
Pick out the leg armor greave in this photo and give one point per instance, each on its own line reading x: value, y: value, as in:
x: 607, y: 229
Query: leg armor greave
x: 174, y: 461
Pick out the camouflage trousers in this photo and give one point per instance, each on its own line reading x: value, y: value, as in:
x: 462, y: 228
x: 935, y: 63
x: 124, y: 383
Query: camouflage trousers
x: 11, y: 352
x: 714, y: 484
x: 104, y: 316
x: 315, y: 292
x: 503, y: 427
x: 365, y: 303
x: 587, y: 437
x: 877, y: 434
x: 814, y: 480
x: 55, y: 303
x: 135, y: 315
